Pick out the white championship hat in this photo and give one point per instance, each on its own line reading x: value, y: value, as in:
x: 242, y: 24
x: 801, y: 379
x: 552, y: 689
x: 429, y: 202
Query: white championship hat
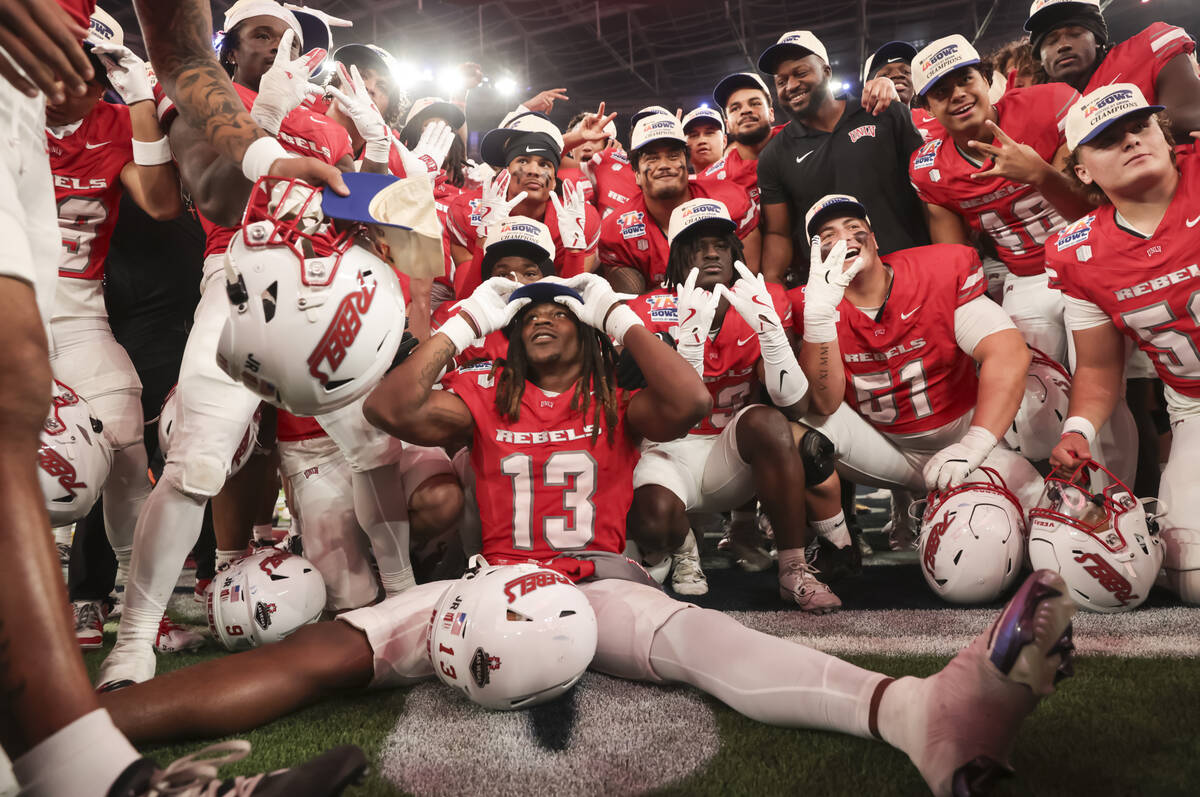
x: 939, y: 58
x: 657, y: 127
x: 520, y: 230
x: 793, y: 44
x: 698, y: 114
x: 104, y: 29
x: 832, y: 205
x: 1098, y: 109
x: 709, y: 212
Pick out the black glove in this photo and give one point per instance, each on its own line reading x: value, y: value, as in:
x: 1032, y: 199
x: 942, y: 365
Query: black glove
x: 407, y: 344
x: 629, y: 373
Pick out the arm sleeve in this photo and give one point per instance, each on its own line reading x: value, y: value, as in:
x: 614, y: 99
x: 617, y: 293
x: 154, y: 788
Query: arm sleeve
x: 1082, y: 314
x: 977, y: 319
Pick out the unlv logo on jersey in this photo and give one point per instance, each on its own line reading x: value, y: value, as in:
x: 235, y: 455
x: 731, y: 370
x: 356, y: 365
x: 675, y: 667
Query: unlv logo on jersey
x: 936, y: 533
x: 58, y: 468
x: 1107, y: 576
x: 342, y: 332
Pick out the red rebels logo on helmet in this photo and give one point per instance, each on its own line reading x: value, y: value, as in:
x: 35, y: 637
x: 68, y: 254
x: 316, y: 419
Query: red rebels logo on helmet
x: 342, y: 332
x: 1107, y: 576
x: 935, y: 540
x: 531, y: 581
x: 270, y: 563
x: 63, y: 397
x: 57, y: 467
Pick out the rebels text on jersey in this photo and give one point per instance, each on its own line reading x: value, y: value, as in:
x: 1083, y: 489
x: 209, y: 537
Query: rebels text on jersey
x: 630, y: 236
x: 1150, y: 287
x: 87, y: 165
x: 544, y: 486
x: 905, y: 372
x: 731, y: 357
x: 1140, y: 58
x: 1014, y: 215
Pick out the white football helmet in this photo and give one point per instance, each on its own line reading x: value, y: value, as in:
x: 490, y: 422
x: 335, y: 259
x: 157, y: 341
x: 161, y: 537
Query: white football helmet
x: 1105, y: 545
x: 972, y: 540
x: 512, y: 636
x: 74, y: 457
x: 169, y: 416
x: 263, y: 597
x: 1038, y: 423
x: 315, y: 318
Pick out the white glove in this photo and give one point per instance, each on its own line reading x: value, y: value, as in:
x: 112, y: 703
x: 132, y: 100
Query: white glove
x: 328, y: 19
x: 479, y: 173
x: 495, y: 207
x: 571, y: 210
x: 128, y: 74
x: 489, y: 310
x: 356, y: 102
x: 696, y: 308
x: 285, y: 85
x: 430, y: 151
x: 786, y: 383
x: 827, y: 281
x: 951, y: 466
x: 602, y: 307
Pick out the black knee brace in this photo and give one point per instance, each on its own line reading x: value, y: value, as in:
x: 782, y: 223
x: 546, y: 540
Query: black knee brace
x: 817, y: 454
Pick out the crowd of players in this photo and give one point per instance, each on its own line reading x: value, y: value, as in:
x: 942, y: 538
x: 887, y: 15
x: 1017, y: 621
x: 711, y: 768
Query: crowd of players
x: 969, y: 286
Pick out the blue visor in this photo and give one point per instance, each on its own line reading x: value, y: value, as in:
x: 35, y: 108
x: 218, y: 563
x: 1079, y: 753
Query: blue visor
x: 542, y: 291
x: 364, y: 187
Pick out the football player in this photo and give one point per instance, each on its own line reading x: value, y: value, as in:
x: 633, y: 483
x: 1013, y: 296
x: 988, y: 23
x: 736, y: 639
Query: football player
x: 633, y: 240
x: 607, y: 169
x: 894, y: 62
x: 1070, y: 40
x: 742, y: 448
x: 992, y: 172
x: 705, y: 133
x: 750, y: 121
x: 900, y: 338
x: 1128, y: 268
x: 527, y: 148
x: 554, y: 434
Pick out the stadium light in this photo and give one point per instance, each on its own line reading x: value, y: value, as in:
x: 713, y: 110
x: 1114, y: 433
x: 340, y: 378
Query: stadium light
x: 506, y: 86
x: 449, y: 80
x: 704, y: 105
x: 405, y: 74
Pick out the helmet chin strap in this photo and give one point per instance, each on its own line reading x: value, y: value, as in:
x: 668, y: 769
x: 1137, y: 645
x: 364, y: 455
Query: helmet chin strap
x: 235, y: 285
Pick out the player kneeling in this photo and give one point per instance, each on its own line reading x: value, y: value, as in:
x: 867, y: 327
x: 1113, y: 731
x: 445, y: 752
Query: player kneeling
x: 549, y: 432
x: 743, y: 448
x: 898, y: 338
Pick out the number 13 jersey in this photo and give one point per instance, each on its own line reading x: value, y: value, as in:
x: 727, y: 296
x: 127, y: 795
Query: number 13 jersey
x: 543, y: 485
x: 1014, y: 215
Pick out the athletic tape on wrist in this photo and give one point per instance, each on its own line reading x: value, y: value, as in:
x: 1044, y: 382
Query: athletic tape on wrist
x: 620, y: 320
x: 260, y: 155
x: 460, y: 332
x: 152, y: 153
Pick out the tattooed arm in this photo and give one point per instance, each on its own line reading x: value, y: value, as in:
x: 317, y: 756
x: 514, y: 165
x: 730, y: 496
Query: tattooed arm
x: 406, y: 405
x: 178, y: 37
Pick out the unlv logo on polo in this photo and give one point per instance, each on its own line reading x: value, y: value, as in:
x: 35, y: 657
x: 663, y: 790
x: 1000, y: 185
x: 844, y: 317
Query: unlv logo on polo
x: 1107, y: 576
x: 936, y: 533
x: 342, y: 332
x: 57, y: 467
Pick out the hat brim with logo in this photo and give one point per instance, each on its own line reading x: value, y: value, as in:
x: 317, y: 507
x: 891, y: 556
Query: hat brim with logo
x: 791, y: 45
x: 1096, y: 111
x: 655, y: 128
x: 521, y: 133
x: 699, y: 115
x: 833, y: 206
x: 938, y: 59
x: 735, y: 82
x: 888, y: 54
x: 698, y: 217
x: 522, y: 237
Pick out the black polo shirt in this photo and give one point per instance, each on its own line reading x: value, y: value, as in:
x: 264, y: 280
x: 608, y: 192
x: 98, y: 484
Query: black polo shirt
x: 865, y: 156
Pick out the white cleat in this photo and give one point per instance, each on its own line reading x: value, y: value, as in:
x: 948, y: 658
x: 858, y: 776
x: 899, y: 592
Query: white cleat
x: 127, y: 663
x: 975, y: 705
x: 687, y: 578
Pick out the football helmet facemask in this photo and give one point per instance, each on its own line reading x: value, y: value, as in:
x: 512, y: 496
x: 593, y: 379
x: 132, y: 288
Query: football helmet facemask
x: 1036, y: 428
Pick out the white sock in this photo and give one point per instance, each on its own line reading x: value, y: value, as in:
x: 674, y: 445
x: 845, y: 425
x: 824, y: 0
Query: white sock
x: 397, y: 582
x: 901, y: 716
x: 83, y: 759
x: 382, y: 512
x: 763, y: 677
x: 833, y: 529
x: 264, y: 532
x: 62, y: 534
x: 228, y: 557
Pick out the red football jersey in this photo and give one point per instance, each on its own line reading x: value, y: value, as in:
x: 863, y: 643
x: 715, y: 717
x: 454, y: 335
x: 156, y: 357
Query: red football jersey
x: 905, y: 372
x: 463, y: 223
x: 614, y: 181
x: 1150, y: 287
x: 87, y: 166
x: 290, y: 427
x: 1015, y: 216
x: 630, y: 237
x: 1140, y: 58
x: 80, y: 10
x: 444, y: 193
x: 730, y: 359
x: 742, y: 173
x: 927, y: 125
x: 543, y: 485
x: 303, y: 132
x: 575, y: 177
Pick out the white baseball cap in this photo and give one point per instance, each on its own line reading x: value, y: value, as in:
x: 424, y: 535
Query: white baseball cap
x: 702, y: 113
x: 104, y: 29
x: 538, y: 126
x: 1098, y: 109
x: 649, y: 110
x: 833, y: 206
x: 1042, y: 12
x: 738, y: 80
x: 656, y: 127
x: 939, y: 58
x: 711, y: 213
x: 793, y: 44
x: 244, y: 9
x: 519, y: 234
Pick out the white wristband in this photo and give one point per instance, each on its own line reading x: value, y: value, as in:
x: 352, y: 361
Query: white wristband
x: 619, y: 321
x: 260, y: 155
x: 460, y: 332
x: 820, y: 327
x: 1080, y: 425
x: 379, y: 150
x: 152, y: 153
